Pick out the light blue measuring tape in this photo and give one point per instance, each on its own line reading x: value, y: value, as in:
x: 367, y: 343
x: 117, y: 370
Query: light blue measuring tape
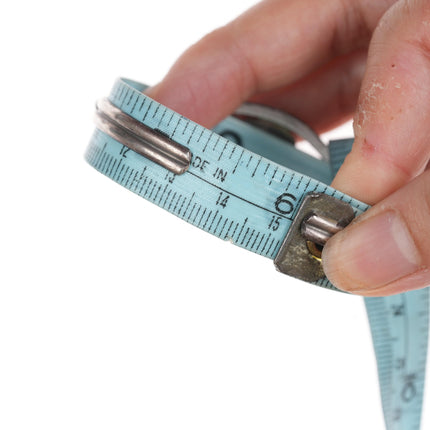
x: 236, y: 182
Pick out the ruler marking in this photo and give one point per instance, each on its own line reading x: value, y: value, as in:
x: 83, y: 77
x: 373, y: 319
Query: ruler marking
x: 99, y: 154
x: 273, y: 176
x: 134, y: 106
x: 100, y: 161
x: 147, y: 188
x: 162, y: 194
x: 141, y: 105
x: 243, y: 226
x: 249, y: 161
x: 110, y: 162
x: 182, y: 206
x: 113, y: 166
x: 261, y: 240
x: 244, y: 236
x: 250, y: 237
x: 130, y: 99
x: 167, y: 197
x: 187, y: 123
x: 223, y: 227
x: 129, y: 176
x: 207, y: 220
x: 170, y: 119
x: 177, y: 201
x: 216, y: 141
x: 232, y: 152
x: 177, y: 125
x: 152, y: 190
x: 192, y: 134
x: 192, y: 196
x: 256, y: 167
x: 278, y: 244
x: 162, y: 117
x: 270, y: 247
x: 117, y: 167
x: 171, y: 200
x: 134, y: 181
x: 213, y: 220
x: 103, y: 168
x: 192, y: 210
x: 122, y: 91
x: 315, y: 188
x: 238, y: 197
x: 218, y: 223
x: 238, y: 161
x: 96, y: 152
x: 228, y: 231
x: 265, y: 243
x: 255, y: 241
x: 143, y: 184
x: 283, y: 177
x: 124, y: 97
x: 158, y: 191
x: 266, y: 169
x: 222, y: 152
x: 197, y: 213
x: 147, y: 110
x: 235, y: 229
x: 156, y: 111
x: 289, y: 182
x: 203, y: 214
x: 119, y: 173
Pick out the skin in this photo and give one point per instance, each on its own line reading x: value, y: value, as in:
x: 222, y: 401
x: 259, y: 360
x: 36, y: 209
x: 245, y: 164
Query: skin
x: 367, y: 59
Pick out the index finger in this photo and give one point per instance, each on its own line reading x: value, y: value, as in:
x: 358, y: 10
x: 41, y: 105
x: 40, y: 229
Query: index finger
x: 392, y: 121
x: 273, y: 44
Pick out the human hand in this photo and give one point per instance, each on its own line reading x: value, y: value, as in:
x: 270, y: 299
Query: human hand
x: 310, y: 58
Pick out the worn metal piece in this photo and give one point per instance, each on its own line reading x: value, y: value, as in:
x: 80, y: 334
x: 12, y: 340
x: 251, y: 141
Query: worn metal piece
x: 144, y: 140
x: 319, y: 229
x: 318, y: 218
x: 280, y: 123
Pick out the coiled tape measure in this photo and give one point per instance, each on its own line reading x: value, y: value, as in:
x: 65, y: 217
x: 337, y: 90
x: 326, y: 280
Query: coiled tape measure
x: 236, y: 182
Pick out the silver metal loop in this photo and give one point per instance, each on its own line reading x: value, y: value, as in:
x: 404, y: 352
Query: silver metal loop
x: 144, y: 140
x: 284, y: 121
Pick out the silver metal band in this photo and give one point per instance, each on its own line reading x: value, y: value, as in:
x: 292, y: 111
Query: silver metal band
x: 144, y: 140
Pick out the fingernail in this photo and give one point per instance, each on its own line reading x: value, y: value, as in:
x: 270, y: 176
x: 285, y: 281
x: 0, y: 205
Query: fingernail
x: 370, y: 254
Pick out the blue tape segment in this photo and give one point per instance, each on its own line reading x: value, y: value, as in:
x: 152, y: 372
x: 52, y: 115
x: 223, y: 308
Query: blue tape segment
x: 249, y: 194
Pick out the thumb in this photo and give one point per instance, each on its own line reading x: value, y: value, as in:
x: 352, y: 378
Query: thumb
x: 386, y: 250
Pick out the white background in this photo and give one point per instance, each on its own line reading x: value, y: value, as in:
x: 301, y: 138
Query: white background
x: 114, y: 313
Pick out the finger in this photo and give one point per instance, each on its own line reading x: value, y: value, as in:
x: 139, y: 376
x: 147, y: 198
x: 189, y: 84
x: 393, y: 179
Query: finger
x: 272, y: 45
x: 392, y: 120
x: 386, y: 250
x: 324, y: 99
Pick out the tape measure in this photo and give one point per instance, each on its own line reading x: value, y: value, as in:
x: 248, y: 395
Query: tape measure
x: 245, y: 182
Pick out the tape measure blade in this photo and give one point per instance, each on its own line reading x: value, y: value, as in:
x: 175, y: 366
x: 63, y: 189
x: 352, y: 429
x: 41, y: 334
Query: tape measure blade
x: 238, y: 195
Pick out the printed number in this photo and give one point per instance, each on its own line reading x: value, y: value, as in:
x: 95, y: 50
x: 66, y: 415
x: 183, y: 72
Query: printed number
x: 222, y: 200
x: 285, y: 203
x: 274, y: 223
x: 124, y: 151
x: 409, y: 392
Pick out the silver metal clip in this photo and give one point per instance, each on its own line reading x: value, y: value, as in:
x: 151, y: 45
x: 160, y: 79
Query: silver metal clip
x: 318, y: 218
x: 142, y: 139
